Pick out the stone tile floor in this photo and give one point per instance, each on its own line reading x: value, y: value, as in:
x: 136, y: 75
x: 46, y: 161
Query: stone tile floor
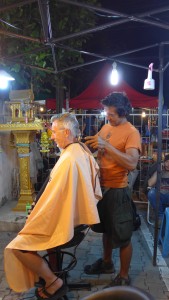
x: 153, y: 279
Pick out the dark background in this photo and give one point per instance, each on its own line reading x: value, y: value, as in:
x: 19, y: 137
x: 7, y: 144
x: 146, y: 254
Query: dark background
x: 126, y: 37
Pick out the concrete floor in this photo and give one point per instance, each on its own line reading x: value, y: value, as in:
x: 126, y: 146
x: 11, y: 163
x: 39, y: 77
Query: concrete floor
x: 153, y: 279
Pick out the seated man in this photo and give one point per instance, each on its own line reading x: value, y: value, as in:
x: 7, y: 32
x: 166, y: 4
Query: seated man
x: 164, y: 188
x: 69, y: 199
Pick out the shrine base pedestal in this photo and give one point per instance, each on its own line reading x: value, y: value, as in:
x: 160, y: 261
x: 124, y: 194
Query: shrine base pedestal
x: 23, y: 200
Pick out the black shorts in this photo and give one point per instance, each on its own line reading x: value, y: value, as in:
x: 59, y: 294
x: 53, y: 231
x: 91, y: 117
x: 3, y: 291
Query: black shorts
x: 116, y: 216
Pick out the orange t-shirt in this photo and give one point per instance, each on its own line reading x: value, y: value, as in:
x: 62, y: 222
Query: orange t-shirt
x: 122, y: 137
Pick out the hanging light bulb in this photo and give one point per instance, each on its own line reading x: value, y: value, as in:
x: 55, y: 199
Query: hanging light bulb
x: 114, y: 77
x: 149, y: 83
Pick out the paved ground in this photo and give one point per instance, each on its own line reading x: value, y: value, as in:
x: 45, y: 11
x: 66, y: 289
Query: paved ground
x: 154, y: 280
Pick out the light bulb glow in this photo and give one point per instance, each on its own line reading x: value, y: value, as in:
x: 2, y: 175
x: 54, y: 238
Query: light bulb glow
x: 4, y: 78
x: 3, y: 83
x: 143, y: 114
x: 4, y: 74
x: 114, y: 77
x: 103, y: 113
x: 41, y: 108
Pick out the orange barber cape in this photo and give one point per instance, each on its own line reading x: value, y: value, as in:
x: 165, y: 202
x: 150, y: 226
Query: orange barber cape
x: 69, y: 199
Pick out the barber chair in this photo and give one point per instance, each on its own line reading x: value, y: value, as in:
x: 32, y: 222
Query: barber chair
x: 61, y: 261
x: 57, y: 258
x: 120, y: 293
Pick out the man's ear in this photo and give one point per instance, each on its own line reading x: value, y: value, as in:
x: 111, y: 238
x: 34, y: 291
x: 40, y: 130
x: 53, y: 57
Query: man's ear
x: 67, y: 132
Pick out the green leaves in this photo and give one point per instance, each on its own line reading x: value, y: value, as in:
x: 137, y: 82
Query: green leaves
x: 16, y: 68
x: 65, y: 19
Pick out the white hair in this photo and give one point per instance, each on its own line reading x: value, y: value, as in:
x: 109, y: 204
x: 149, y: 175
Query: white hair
x: 68, y: 121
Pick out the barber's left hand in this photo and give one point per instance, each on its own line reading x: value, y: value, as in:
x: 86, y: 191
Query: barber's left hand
x: 96, y: 142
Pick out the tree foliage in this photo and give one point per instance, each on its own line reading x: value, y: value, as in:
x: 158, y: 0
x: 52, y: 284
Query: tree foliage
x: 65, y: 20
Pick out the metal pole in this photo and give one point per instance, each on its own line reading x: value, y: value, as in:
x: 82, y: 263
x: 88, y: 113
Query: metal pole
x: 47, y: 27
x: 112, y: 57
x: 67, y: 101
x: 19, y: 36
x: 32, y: 67
x: 159, y: 151
x: 113, y: 12
x: 102, y: 58
x: 127, y: 17
x: 43, y: 8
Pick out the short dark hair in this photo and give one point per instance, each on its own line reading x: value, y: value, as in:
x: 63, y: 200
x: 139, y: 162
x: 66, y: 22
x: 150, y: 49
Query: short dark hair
x: 166, y: 157
x: 120, y: 101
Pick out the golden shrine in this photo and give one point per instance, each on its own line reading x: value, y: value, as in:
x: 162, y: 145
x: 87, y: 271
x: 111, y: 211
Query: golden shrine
x: 23, y: 127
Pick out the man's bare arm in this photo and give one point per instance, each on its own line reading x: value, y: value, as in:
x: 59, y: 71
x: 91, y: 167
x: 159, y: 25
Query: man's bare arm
x: 152, y: 180
x: 129, y: 159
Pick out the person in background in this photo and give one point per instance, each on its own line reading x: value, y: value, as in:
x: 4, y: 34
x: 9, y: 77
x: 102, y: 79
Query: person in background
x: 89, y: 125
x: 164, y: 188
x: 118, y: 145
x: 81, y: 124
x: 69, y: 199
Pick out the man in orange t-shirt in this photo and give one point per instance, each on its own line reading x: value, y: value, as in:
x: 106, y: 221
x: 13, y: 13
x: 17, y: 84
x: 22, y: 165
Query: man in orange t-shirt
x: 118, y: 145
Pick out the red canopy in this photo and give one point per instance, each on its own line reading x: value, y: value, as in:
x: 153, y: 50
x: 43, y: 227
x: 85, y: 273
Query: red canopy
x: 100, y: 87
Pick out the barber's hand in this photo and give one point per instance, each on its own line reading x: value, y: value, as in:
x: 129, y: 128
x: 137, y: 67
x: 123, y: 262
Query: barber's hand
x: 96, y: 142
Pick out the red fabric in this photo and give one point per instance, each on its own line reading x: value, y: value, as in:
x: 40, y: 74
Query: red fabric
x: 51, y: 104
x: 101, y: 87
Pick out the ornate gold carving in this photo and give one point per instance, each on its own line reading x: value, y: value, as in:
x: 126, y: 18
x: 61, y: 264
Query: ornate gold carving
x: 21, y: 95
x: 21, y: 126
x: 23, y: 150
x: 22, y: 137
x: 24, y: 174
x: 22, y: 141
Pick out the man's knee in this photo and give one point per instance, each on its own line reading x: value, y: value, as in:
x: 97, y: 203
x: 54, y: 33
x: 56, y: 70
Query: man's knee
x: 15, y: 252
x: 127, y: 245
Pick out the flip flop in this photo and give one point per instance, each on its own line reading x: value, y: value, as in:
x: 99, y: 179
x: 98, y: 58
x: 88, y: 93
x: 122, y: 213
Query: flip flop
x: 58, y: 294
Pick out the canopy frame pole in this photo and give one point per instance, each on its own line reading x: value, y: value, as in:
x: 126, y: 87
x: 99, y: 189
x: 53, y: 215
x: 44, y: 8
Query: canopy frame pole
x: 159, y: 149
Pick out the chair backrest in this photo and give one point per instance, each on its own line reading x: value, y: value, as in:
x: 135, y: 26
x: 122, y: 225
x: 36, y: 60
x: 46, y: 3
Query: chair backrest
x: 120, y: 293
